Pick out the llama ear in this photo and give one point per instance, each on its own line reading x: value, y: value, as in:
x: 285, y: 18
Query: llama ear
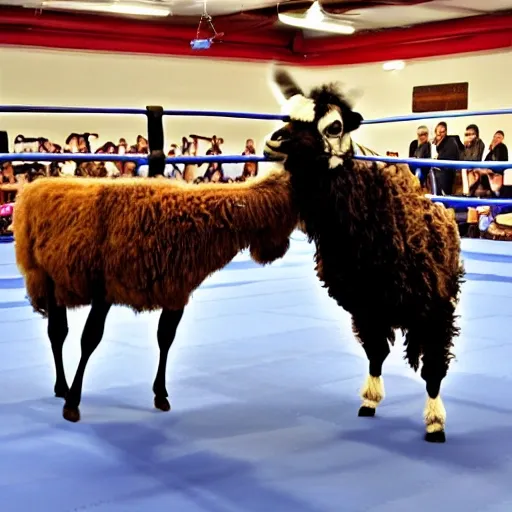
x: 351, y: 121
x: 291, y: 97
x: 286, y: 83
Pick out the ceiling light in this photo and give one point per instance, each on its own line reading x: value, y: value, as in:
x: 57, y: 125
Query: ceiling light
x: 109, y: 8
x: 315, y: 19
x: 393, y: 65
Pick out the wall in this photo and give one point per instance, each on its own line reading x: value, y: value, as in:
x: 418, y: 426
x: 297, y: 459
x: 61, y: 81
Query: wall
x: 46, y: 77
x: 30, y: 76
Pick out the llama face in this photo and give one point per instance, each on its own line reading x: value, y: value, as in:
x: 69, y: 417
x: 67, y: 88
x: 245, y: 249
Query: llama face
x: 320, y: 124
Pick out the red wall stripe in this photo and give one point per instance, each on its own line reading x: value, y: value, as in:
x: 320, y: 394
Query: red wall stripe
x: 251, y: 39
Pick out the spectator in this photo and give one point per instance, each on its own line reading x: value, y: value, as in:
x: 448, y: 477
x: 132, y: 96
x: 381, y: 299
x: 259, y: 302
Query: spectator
x: 498, y: 152
x: 141, y: 146
x: 473, y: 152
x: 473, y: 145
x: 250, y: 168
x: 447, y: 149
x: 421, y: 148
x: 490, y: 182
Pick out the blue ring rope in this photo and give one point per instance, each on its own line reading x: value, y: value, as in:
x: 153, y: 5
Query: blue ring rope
x: 235, y: 159
x: 143, y: 160
x: 71, y: 157
x: 468, y: 201
x: 41, y: 109
x: 432, y: 162
x: 139, y: 159
x: 34, y: 109
x: 439, y: 115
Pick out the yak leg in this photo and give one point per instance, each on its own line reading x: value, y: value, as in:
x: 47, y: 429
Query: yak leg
x: 167, y: 327
x: 91, y: 337
x: 57, y: 332
x: 374, y: 336
x: 433, y: 339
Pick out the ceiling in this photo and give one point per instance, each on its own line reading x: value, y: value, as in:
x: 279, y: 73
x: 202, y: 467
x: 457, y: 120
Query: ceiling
x: 364, y: 14
x: 385, y: 29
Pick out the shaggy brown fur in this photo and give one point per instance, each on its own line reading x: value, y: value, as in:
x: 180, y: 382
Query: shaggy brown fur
x: 148, y: 243
x: 386, y: 254
x: 144, y: 243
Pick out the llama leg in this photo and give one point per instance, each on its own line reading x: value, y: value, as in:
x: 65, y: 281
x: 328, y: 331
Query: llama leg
x: 57, y: 332
x: 436, y: 358
x: 374, y: 337
x: 167, y: 327
x: 433, y: 340
x: 91, y: 337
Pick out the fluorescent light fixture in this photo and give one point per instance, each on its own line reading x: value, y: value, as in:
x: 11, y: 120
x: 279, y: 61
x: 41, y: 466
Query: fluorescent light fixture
x: 315, y: 19
x: 109, y: 8
x: 393, y: 65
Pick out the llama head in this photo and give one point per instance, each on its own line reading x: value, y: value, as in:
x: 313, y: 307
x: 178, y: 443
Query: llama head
x: 320, y: 123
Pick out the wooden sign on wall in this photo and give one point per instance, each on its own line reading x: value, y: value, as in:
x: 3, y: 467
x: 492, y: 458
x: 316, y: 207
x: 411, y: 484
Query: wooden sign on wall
x: 440, y: 98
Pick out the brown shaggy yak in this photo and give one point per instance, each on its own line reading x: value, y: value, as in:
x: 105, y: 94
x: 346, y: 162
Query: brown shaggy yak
x: 140, y: 242
x: 386, y: 254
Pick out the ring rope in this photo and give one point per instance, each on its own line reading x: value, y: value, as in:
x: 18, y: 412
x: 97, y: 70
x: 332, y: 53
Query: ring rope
x: 144, y: 160
x: 433, y: 162
x: 39, y: 109
x: 235, y: 159
x: 470, y: 202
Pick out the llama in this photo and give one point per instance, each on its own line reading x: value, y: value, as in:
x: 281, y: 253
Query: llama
x: 143, y: 243
x: 388, y: 255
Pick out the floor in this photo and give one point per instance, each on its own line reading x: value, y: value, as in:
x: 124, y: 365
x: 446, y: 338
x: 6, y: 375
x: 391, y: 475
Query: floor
x: 264, y: 379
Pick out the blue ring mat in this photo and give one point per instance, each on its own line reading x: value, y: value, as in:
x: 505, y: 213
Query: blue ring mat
x: 264, y: 378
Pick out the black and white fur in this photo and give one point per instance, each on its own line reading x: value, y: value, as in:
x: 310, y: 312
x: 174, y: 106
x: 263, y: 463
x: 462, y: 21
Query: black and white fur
x: 358, y: 214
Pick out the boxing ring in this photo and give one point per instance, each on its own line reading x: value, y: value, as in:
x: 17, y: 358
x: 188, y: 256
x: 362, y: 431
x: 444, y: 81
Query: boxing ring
x: 264, y: 378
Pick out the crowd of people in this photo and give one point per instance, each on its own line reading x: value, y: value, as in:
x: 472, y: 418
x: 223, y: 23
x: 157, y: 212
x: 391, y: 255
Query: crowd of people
x: 15, y: 173
x: 481, y: 182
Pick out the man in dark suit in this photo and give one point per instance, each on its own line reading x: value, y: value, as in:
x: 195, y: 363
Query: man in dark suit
x: 447, y: 149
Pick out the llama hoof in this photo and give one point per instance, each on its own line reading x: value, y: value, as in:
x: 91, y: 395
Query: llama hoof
x: 366, y: 412
x: 71, y: 414
x: 162, y: 404
x: 435, y: 437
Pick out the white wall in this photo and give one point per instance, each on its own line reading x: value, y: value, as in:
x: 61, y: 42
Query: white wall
x: 43, y: 77
x: 30, y: 76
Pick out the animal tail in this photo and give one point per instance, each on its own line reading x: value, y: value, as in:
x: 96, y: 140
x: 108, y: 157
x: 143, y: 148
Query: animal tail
x: 433, y: 335
x: 36, y: 279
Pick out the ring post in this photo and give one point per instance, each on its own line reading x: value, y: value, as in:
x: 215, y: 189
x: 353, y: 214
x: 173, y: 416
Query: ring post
x: 156, y: 159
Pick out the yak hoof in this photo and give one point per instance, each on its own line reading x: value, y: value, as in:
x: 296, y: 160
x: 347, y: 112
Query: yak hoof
x: 435, y: 437
x: 61, y: 391
x: 71, y: 414
x: 162, y: 404
x: 366, y: 412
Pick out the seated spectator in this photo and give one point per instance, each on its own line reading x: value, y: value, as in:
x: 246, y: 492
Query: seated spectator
x: 140, y: 147
x: 9, y: 183
x: 250, y: 168
x: 473, y: 145
x: 498, y: 152
x: 447, y: 149
x: 473, y: 152
x: 421, y: 148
